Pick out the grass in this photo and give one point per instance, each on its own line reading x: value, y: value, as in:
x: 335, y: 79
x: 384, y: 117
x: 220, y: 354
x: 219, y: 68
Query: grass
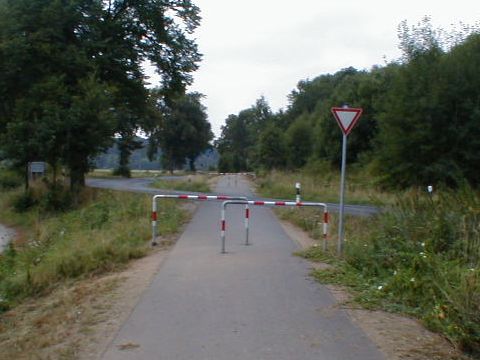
x: 108, y: 173
x: 322, y: 186
x: 194, y: 183
x: 421, y: 258
x: 102, y: 235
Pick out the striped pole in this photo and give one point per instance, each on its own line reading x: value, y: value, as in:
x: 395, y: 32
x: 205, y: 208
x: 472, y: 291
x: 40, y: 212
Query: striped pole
x: 297, y: 187
x: 274, y: 203
x: 247, y: 220
x: 157, y: 197
x: 154, y: 223
x: 223, y: 227
x: 325, y: 228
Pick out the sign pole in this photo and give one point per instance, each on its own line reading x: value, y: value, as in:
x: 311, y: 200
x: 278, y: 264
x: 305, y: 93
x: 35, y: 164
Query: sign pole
x: 341, y: 229
x: 346, y: 118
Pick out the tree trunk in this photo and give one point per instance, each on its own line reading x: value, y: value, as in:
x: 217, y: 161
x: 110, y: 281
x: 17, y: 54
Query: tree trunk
x: 77, y: 180
x: 192, y: 165
x: 27, y: 179
x: 125, y: 152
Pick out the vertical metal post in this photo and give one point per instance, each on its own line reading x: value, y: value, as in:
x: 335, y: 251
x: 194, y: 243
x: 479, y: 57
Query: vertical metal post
x: 325, y: 228
x: 297, y: 187
x: 154, y: 221
x: 223, y: 229
x: 341, y: 230
x: 247, y: 220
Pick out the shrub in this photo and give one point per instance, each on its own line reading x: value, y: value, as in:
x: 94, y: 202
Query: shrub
x: 56, y: 198
x: 9, y: 179
x: 24, y: 201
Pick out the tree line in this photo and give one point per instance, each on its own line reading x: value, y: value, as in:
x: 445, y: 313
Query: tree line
x: 73, y: 82
x: 420, y: 122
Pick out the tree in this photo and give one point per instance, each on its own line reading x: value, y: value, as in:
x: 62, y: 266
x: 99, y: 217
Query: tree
x: 238, y: 141
x: 299, y: 142
x: 82, y: 46
x: 185, y: 131
x: 272, y: 151
x: 414, y: 137
x: 233, y: 145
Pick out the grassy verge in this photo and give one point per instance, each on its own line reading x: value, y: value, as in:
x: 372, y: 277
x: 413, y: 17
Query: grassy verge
x: 421, y: 258
x: 322, y: 186
x: 108, y: 230
x: 108, y: 173
x: 195, y: 183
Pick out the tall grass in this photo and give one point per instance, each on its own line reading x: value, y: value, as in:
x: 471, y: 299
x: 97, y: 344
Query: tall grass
x: 103, y: 234
x: 422, y: 257
x: 322, y: 185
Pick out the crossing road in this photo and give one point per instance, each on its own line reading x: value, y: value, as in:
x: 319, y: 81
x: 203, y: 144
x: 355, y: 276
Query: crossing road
x: 143, y: 185
x: 255, y: 302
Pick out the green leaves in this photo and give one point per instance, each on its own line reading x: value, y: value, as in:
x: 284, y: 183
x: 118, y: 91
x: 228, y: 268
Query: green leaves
x: 71, y: 74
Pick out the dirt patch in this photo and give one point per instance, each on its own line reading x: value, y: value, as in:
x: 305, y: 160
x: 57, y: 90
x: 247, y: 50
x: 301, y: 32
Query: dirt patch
x: 397, y: 336
x: 79, y: 320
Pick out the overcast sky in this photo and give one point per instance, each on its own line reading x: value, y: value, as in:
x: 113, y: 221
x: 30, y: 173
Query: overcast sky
x: 264, y: 47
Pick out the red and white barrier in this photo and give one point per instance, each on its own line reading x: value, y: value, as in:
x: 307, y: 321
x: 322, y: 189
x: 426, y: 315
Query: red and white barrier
x: 271, y: 203
x: 185, y: 197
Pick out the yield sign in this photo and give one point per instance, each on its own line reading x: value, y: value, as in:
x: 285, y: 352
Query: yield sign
x: 346, y: 118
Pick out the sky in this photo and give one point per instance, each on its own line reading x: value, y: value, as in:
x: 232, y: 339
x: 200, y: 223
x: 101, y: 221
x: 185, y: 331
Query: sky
x: 254, y: 48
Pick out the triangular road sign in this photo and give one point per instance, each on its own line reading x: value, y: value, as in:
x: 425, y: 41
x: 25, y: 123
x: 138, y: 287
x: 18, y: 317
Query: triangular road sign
x: 346, y: 118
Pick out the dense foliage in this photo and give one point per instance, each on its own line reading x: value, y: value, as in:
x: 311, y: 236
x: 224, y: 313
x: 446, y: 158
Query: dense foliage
x: 72, y: 76
x: 420, y: 124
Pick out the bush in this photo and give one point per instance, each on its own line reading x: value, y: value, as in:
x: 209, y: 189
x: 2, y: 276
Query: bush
x: 9, y: 179
x: 24, y: 201
x: 56, y: 198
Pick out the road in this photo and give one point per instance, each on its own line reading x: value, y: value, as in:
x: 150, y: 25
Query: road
x: 255, y: 302
x: 143, y: 185
x: 6, y: 235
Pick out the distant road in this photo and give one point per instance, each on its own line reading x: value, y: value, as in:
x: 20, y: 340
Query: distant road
x: 143, y: 185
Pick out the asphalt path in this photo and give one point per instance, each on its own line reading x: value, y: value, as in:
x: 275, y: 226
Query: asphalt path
x: 255, y: 302
x: 143, y: 185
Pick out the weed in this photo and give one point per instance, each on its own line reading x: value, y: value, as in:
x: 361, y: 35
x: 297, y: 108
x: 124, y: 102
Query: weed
x: 9, y: 179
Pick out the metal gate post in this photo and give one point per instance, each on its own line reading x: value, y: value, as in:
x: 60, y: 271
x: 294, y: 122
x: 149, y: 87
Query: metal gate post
x: 183, y: 197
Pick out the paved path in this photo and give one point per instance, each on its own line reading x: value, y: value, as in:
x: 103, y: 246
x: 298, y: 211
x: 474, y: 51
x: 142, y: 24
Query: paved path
x: 255, y: 302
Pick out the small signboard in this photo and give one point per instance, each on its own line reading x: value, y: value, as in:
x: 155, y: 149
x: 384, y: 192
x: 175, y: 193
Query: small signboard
x: 37, y: 167
x: 346, y: 117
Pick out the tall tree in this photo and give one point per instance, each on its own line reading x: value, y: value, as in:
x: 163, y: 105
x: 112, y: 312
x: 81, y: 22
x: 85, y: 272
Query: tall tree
x: 91, y: 45
x: 238, y: 141
x: 185, y: 131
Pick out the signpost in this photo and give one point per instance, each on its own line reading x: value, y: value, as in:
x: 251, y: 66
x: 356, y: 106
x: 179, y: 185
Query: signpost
x: 37, y: 168
x: 346, y: 118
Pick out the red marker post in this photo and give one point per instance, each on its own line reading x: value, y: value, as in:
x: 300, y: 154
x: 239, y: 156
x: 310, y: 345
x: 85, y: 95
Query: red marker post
x: 346, y: 118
